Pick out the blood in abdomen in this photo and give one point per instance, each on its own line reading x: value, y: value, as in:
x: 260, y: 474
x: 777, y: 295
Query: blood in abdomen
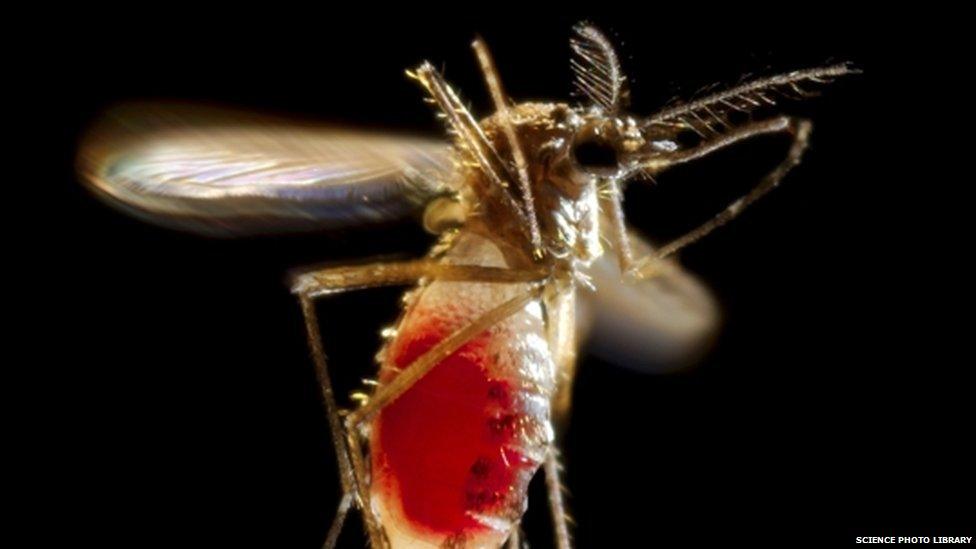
x: 445, y: 454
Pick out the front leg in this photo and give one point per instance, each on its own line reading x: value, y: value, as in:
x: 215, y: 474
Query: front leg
x: 650, y: 265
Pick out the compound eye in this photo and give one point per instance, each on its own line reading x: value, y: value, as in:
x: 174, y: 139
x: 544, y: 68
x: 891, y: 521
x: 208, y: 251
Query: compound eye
x: 595, y: 155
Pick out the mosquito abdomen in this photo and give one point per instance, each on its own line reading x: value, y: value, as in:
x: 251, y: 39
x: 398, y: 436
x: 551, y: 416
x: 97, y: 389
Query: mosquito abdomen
x: 453, y: 456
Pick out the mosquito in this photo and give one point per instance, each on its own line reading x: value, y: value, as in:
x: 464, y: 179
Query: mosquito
x: 527, y: 205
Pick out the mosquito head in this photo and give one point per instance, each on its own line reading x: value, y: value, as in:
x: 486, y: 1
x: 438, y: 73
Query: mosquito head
x: 547, y: 175
x: 579, y: 153
x: 576, y: 157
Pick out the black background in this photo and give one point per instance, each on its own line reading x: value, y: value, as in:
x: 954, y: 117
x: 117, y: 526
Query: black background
x: 176, y: 387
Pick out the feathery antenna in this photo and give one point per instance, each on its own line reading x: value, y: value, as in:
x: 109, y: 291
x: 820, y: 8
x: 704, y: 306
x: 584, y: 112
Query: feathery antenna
x: 596, y: 68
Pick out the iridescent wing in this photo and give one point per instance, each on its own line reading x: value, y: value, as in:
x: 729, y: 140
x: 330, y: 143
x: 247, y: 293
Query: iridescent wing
x: 225, y: 173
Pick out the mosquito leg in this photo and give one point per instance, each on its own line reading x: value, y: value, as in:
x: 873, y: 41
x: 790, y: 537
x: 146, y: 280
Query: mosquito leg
x: 328, y: 396
x: 611, y: 199
x: 308, y: 286
x: 471, y: 140
x: 333, y: 536
x: 554, y: 487
x: 515, y: 539
x: 498, y: 97
x: 560, y: 307
x: 342, y: 279
x: 799, y: 130
x: 377, y: 537
x: 351, y: 482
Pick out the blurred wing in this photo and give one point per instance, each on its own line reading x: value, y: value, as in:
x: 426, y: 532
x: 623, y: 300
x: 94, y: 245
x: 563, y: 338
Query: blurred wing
x: 658, y: 325
x: 225, y: 173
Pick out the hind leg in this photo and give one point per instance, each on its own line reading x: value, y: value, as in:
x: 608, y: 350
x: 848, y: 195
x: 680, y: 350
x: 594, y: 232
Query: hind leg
x: 554, y: 488
x: 351, y: 474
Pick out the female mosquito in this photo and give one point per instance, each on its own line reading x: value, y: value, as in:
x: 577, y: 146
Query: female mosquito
x: 479, y: 366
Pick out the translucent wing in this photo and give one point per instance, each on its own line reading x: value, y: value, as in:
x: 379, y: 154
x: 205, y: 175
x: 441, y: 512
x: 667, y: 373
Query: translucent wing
x: 226, y: 173
x: 661, y: 324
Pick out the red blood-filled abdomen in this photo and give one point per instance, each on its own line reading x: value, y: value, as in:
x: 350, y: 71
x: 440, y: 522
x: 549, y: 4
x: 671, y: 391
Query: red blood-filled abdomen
x: 452, y: 457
